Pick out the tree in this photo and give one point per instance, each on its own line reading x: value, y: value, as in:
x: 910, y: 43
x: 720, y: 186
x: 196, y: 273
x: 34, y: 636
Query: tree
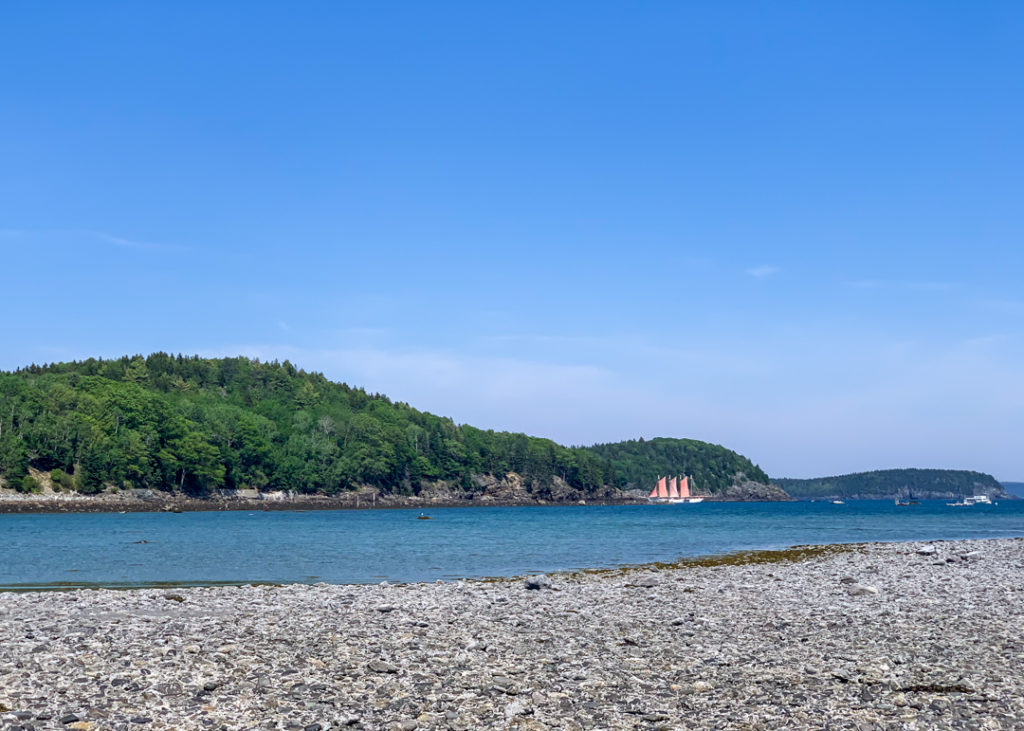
x: 13, y: 457
x: 28, y: 484
x: 136, y: 371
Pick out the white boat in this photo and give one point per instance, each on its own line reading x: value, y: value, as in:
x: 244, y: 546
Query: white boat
x: 969, y: 501
x: 674, y: 491
x: 837, y: 502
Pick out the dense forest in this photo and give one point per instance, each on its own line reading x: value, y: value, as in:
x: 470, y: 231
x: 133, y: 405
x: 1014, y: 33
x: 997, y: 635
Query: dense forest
x: 887, y: 484
x: 192, y: 425
x: 712, y: 468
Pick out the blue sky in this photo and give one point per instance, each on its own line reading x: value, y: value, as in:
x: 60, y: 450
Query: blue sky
x: 791, y: 228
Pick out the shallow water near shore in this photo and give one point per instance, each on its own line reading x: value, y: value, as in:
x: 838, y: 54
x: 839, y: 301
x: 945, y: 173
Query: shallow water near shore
x: 60, y: 551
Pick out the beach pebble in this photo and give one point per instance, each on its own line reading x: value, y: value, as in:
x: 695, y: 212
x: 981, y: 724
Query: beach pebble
x: 379, y: 666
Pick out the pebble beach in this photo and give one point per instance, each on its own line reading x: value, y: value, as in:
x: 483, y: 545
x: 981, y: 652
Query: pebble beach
x: 877, y: 636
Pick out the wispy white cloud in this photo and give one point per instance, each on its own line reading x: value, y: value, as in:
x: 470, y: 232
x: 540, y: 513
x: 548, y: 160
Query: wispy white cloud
x: 133, y: 244
x: 762, y: 271
x: 88, y: 235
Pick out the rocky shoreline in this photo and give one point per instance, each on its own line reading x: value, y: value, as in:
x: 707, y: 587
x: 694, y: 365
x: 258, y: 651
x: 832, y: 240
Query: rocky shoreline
x: 179, y: 504
x: 878, y: 636
x: 154, y: 501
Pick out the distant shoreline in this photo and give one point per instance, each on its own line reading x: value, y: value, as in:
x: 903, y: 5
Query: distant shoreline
x: 70, y: 503
x: 80, y: 504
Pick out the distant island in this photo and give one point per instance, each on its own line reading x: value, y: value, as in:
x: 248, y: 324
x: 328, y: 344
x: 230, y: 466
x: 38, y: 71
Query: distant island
x: 214, y: 428
x: 921, y: 484
x: 1014, y: 488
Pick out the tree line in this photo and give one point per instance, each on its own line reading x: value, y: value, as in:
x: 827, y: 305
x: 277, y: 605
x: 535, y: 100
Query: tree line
x: 888, y: 484
x: 712, y: 468
x: 192, y: 425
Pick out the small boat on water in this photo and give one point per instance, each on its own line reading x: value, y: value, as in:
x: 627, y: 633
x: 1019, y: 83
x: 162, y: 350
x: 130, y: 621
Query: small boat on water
x: 838, y: 502
x: 967, y: 502
x: 674, y: 491
x: 422, y: 516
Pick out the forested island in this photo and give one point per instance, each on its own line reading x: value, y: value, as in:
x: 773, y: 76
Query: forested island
x: 921, y: 484
x: 202, y: 427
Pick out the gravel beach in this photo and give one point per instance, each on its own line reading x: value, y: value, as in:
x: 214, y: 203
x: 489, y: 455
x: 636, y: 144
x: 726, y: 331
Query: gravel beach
x: 880, y: 636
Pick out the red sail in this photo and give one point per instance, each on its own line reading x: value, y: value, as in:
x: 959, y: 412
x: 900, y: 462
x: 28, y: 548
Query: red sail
x: 684, y: 487
x: 659, y: 489
x: 673, y: 488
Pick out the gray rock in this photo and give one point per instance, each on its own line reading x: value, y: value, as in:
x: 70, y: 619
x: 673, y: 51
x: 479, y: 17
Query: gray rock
x: 379, y: 666
x: 516, y: 708
x: 170, y: 688
x: 538, y: 582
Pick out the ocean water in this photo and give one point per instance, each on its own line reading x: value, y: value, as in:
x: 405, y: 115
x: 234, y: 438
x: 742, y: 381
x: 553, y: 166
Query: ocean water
x: 352, y: 547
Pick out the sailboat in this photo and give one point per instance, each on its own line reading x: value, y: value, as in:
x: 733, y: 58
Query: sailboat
x: 674, y: 491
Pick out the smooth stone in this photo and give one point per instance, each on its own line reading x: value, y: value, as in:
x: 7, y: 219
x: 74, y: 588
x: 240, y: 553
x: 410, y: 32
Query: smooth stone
x: 538, y: 582
x: 379, y: 666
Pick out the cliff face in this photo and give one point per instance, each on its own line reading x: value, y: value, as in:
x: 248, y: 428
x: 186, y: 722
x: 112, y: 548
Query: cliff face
x: 514, y: 488
x: 748, y: 491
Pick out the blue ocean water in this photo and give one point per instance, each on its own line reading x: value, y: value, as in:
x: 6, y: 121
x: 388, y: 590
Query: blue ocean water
x: 369, y: 546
